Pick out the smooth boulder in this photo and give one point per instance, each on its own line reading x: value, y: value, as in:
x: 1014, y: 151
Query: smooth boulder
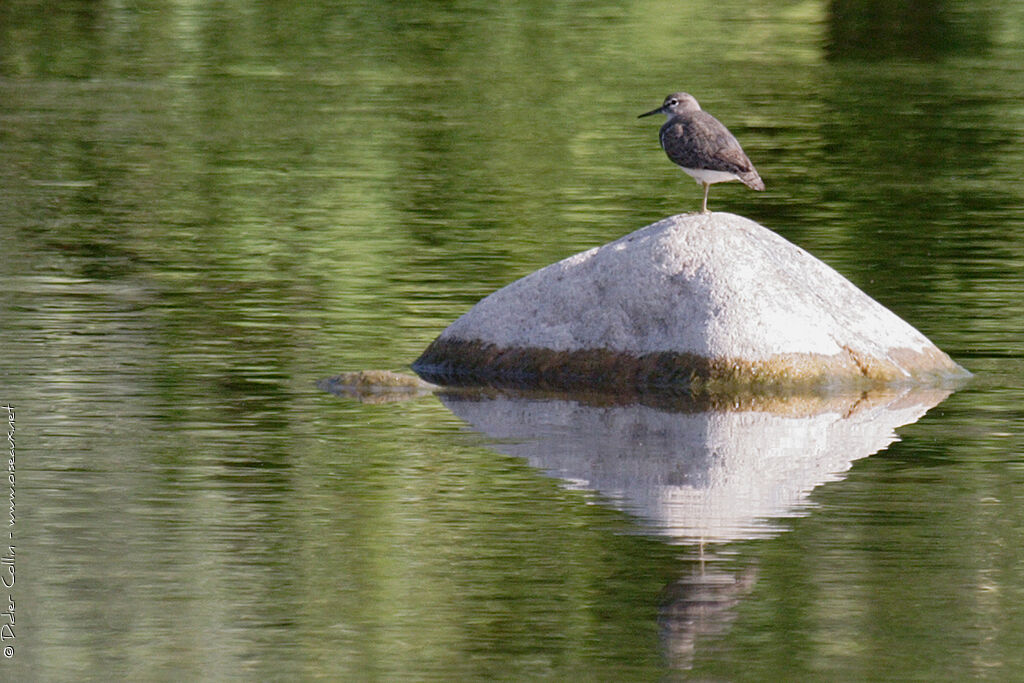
x: 710, y: 302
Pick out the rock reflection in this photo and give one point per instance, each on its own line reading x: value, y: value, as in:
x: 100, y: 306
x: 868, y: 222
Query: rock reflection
x: 695, y: 473
x: 700, y: 474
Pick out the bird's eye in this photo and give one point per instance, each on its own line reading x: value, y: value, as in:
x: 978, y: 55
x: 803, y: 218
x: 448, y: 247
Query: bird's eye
x: 673, y: 102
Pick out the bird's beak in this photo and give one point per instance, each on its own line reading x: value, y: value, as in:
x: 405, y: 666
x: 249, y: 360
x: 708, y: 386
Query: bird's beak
x: 659, y: 110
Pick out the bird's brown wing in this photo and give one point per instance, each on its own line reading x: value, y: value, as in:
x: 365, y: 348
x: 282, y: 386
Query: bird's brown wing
x: 701, y: 141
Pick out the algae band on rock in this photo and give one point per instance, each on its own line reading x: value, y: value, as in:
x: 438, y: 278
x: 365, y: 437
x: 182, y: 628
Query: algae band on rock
x: 696, y: 302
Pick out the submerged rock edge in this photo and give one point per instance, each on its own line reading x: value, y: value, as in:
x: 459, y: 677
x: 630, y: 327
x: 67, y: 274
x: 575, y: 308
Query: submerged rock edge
x: 473, y: 362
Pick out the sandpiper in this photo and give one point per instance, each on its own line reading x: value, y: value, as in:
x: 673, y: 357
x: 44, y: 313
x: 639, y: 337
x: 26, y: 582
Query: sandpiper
x: 705, y: 148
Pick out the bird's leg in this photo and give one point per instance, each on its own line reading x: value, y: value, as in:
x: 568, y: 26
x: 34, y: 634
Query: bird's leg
x: 704, y: 206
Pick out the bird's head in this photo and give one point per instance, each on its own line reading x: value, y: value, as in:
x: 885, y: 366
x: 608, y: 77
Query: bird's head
x: 675, y: 104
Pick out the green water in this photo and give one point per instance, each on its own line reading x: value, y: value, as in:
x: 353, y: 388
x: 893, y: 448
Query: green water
x: 208, y: 207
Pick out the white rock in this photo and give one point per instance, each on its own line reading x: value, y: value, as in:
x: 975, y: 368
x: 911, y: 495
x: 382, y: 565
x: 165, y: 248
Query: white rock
x: 698, y: 297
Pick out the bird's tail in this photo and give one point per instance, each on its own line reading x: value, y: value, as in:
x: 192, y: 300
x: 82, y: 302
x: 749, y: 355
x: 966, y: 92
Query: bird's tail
x: 752, y: 180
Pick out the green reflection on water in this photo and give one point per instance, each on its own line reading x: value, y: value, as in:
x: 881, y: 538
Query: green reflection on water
x: 207, y: 207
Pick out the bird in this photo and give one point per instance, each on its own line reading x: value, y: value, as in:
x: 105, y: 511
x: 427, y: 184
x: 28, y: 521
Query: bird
x: 702, y: 145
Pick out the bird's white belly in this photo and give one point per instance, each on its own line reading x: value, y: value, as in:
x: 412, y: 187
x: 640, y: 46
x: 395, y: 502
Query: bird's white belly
x: 702, y: 175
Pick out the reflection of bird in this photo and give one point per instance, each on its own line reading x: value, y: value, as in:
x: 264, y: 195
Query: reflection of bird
x: 705, y: 148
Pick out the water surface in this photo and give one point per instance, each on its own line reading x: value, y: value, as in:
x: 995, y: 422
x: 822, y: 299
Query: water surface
x: 207, y: 208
